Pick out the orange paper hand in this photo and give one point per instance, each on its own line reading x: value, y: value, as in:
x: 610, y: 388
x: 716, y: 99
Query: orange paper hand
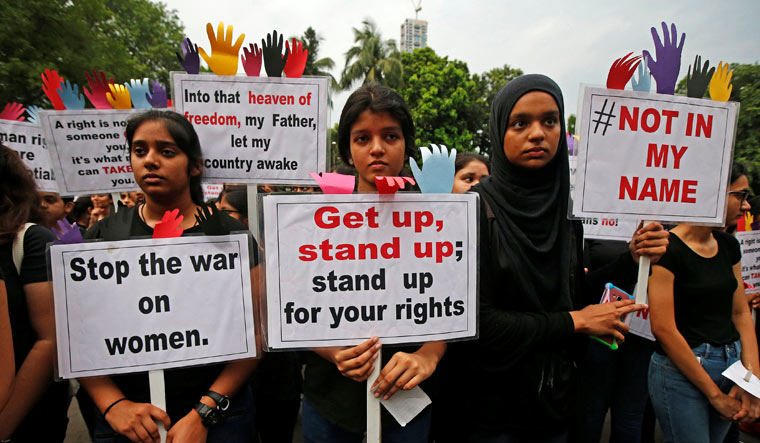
x: 720, y: 84
x: 224, y: 55
x: 119, y: 97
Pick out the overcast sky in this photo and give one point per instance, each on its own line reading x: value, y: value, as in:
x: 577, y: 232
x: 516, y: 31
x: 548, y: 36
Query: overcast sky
x: 573, y: 42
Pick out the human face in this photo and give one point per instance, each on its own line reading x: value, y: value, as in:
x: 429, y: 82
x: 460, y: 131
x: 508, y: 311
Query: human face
x: 469, y: 176
x: 736, y: 206
x: 53, y: 208
x: 533, y: 131
x: 100, y: 200
x: 225, y: 206
x: 377, y: 148
x: 161, y: 168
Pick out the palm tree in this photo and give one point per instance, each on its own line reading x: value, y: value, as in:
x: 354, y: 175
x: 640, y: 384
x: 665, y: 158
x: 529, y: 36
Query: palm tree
x: 372, y: 60
x: 315, y: 66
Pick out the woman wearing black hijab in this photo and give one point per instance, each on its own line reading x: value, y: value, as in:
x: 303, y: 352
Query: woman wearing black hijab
x: 517, y: 381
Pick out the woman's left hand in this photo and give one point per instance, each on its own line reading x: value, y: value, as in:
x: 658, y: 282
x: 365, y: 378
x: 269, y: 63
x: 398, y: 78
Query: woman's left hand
x: 650, y: 240
x: 404, y: 371
x: 188, y: 429
x: 750, y: 410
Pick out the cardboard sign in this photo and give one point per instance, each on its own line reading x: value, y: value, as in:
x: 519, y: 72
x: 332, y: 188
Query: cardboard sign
x: 256, y: 130
x: 141, y: 305
x: 26, y: 139
x: 211, y: 191
x: 88, y: 150
x: 750, y: 244
x: 344, y: 268
x: 654, y: 157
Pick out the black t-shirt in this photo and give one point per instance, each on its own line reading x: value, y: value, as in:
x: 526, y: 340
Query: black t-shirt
x: 703, y: 290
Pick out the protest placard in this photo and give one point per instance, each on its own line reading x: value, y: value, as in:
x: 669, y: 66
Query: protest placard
x: 344, y: 268
x: 750, y: 244
x: 653, y: 156
x: 256, y: 129
x: 88, y: 150
x: 151, y: 304
x: 27, y: 139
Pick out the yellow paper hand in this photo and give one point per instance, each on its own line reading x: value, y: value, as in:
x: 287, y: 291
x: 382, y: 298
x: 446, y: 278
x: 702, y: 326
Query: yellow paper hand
x: 720, y: 85
x: 119, y: 97
x: 224, y: 55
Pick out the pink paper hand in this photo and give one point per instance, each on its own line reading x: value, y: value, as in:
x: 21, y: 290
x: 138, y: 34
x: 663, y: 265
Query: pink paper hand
x: 251, y: 60
x: 331, y: 183
x: 168, y: 227
x: 13, y: 111
x: 99, y: 90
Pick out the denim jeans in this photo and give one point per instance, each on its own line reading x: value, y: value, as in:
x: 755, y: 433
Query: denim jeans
x: 684, y: 413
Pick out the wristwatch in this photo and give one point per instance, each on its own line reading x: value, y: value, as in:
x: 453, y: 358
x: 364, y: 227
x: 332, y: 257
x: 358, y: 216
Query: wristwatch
x: 222, y: 401
x: 209, y: 416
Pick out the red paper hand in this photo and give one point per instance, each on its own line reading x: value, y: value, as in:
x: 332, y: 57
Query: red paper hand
x: 622, y: 71
x: 51, y: 81
x: 98, y: 93
x: 168, y: 227
x: 389, y: 185
x: 13, y: 111
x: 297, y: 60
x: 251, y: 60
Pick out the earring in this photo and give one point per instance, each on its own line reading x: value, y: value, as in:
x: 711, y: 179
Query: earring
x: 351, y: 161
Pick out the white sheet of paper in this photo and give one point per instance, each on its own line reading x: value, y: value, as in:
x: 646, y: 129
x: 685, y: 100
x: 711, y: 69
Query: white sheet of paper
x: 736, y: 373
x: 405, y: 405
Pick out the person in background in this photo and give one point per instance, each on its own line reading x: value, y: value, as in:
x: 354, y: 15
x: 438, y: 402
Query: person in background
x: 469, y: 169
x: 102, y: 205
x: 7, y: 360
x: 54, y: 208
x: 233, y: 200
x: 130, y: 199
x: 81, y: 213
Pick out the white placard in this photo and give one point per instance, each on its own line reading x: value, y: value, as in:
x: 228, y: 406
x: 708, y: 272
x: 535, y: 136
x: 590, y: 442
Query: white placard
x: 150, y: 304
x: 750, y: 244
x: 339, y: 270
x: 256, y: 130
x: 88, y: 150
x: 211, y: 191
x: 27, y: 139
x: 654, y: 157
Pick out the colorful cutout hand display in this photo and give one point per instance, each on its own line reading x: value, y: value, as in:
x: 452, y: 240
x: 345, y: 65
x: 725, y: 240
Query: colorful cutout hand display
x: 168, y: 227
x: 251, y: 60
x: 32, y: 114
x: 224, y: 54
x: 210, y: 220
x: 69, y: 93
x: 98, y: 93
x: 51, y: 81
x: 665, y: 69
x: 138, y: 91
x: 389, y: 185
x: 69, y: 235
x: 437, y: 174
x: 720, y: 85
x: 274, y: 60
x: 296, y: 59
x: 644, y: 82
x: 192, y: 61
x: 158, y: 98
x: 697, y: 81
x: 332, y: 183
x: 13, y: 111
x: 119, y: 97
x: 622, y: 71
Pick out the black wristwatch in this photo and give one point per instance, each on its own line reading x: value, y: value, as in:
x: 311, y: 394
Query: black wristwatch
x: 222, y: 401
x: 209, y: 416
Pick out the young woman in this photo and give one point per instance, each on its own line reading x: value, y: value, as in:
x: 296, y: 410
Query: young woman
x: 376, y: 136
x: 469, y: 169
x: 703, y: 325
x: 165, y: 155
x: 36, y: 410
x: 234, y: 202
x: 102, y: 206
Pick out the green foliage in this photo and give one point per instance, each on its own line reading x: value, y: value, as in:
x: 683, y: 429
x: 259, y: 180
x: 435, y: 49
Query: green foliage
x: 314, y: 65
x: 746, y: 81
x: 372, y: 60
x: 487, y: 86
x: 571, y: 124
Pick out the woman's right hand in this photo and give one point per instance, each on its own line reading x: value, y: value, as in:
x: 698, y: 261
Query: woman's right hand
x: 604, y: 319
x: 135, y: 421
x: 726, y: 405
x: 355, y: 362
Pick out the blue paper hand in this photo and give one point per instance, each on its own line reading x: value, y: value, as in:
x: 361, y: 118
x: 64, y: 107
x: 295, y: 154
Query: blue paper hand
x: 138, y: 90
x: 69, y: 235
x: 158, y: 99
x: 70, y: 95
x: 644, y: 83
x: 192, y: 60
x: 437, y: 174
x: 32, y: 113
x: 665, y: 69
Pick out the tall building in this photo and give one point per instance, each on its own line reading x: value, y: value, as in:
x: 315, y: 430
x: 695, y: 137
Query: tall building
x: 413, y: 34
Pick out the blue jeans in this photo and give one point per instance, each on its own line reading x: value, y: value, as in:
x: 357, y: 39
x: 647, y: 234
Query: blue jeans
x: 684, y: 413
x: 317, y: 429
x: 519, y: 437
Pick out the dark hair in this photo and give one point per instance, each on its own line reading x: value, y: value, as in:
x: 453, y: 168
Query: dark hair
x: 737, y: 170
x: 237, y: 197
x: 465, y: 158
x: 19, y: 202
x: 184, y: 136
x: 375, y: 98
x: 81, y: 205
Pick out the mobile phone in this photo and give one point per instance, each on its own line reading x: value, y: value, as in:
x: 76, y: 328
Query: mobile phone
x: 612, y: 294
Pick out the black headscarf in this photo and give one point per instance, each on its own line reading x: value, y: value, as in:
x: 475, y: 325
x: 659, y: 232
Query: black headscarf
x: 530, y: 232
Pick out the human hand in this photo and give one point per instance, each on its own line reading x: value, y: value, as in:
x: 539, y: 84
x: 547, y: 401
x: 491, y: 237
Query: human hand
x: 644, y: 83
x: 665, y: 69
x: 135, y: 421
x: 223, y: 60
x: 251, y: 60
x: 209, y: 218
x: 720, y: 84
x: 296, y: 60
x: 622, y: 71
x: 32, y: 114
x: 119, y: 97
x: 604, y: 319
x: 274, y: 61
x: 331, y: 183
x: 188, y: 429
x: 651, y: 240
x: 158, y: 98
x: 138, y: 92
x: 437, y: 174
x: 168, y: 227
x: 389, y: 185
x: 696, y: 83
x: 69, y: 235
x: 753, y: 297
x: 13, y: 111
x: 355, y: 362
x: 69, y: 93
x: 98, y: 93
x: 192, y: 61
x: 726, y: 405
x: 51, y: 81
x: 404, y: 371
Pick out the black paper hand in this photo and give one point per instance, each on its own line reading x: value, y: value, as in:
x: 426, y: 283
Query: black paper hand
x: 209, y: 218
x: 274, y: 61
x: 698, y: 80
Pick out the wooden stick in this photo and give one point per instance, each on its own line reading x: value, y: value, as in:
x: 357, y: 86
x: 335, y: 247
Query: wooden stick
x: 642, y: 282
x: 374, y: 430
x: 158, y: 396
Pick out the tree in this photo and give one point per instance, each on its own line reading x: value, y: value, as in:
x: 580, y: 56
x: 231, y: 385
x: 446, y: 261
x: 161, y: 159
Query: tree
x: 571, y: 124
x: 746, y: 90
x: 318, y: 66
x: 372, y: 60
x: 487, y: 85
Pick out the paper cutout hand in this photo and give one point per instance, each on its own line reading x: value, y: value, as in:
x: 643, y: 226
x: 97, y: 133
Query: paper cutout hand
x: 332, y: 183
x: 644, y: 83
x: 665, y: 69
x: 192, y: 61
x: 389, y: 185
x: 158, y: 99
x: 209, y: 218
x: 296, y: 60
x: 138, y: 92
x: 69, y: 235
x: 119, y: 97
x: 51, y: 81
x: 223, y: 60
x: 251, y: 60
x: 98, y: 93
x: 274, y: 61
x: 437, y: 174
x: 32, y: 114
x: 696, y: 82
x: 168, y: 227
x: 622, y: 71
x: 720, y: 85
x: 13, y: 111
x: 69, y: 93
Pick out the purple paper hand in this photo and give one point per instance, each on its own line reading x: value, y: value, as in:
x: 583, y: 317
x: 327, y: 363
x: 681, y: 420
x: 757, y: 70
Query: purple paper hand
x: 331, y: 183
x: 69, y: 235
x: 168, y: 227
x: 192, y: 61
x: 665, y: 69
x: 251, y: 60
x: 158, y: 99
x: 13, y: 111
